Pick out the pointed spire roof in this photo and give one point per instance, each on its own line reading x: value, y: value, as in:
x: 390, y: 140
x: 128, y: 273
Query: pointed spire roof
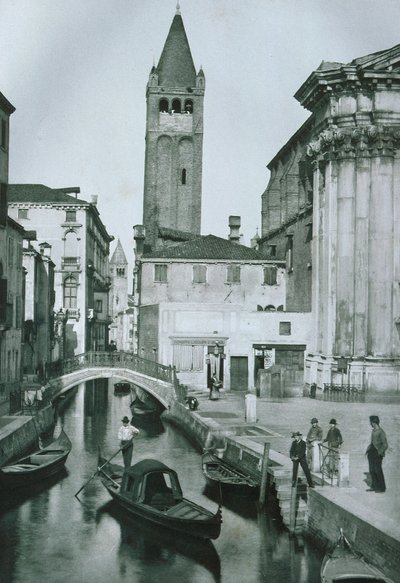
x: 118, y: 257
x: 176, y: 67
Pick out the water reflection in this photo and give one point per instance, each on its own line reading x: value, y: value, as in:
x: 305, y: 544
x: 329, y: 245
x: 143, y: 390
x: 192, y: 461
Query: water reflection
x: 158, y: 546
x: 49, y: 536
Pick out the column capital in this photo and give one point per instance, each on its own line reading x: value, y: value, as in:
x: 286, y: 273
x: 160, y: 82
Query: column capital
x: 351, y: 142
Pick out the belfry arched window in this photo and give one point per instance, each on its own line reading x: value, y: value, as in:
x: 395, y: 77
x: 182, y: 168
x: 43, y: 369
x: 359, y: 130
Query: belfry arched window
x: 189, y: 106
x: 176, y: 106
x: 183, y: 176
x: 163, y: 106
x: 70, y: 293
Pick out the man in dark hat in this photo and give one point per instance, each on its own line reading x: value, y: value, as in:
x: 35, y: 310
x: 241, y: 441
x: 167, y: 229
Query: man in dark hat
x: 376, y: 452
x: 126, y: 434
x: 335, y: 440
x: 298, y: 456
x: 314, y: 435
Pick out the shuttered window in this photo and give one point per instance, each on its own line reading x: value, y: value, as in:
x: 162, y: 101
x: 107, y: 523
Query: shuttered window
x: 233, y: 274
x: 188, y: 357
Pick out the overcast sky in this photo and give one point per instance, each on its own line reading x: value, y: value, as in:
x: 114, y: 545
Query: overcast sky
x: 76, y: 71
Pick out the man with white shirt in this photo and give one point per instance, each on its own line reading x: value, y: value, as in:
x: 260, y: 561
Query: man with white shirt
x: 126, y: 434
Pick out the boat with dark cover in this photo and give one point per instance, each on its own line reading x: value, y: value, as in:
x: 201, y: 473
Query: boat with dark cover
x: 37, y: 466
x: 151, y: 490
x: 343, y: 565
x: 219, y: 472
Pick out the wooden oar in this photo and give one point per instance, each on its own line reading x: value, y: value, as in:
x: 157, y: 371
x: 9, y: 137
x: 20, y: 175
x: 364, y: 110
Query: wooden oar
x: 96, y: 472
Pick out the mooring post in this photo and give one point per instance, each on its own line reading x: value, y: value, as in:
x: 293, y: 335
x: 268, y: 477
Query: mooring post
x: 264, y: 476
x: 292, y: 517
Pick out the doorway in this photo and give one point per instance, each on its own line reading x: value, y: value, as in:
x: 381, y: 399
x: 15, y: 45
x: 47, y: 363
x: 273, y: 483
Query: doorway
x: 239, y: 373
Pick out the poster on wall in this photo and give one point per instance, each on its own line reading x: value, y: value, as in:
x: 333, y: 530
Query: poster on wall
x: 269, y: 358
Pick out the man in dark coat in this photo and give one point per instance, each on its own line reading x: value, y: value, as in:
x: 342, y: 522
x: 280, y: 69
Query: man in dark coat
x: 335, y: 440
x: 376, y: 452
x: 298, y: 456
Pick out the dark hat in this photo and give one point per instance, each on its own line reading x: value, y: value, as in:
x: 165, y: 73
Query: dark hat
x: 374, y: 419
x: 332, y: 422
x: 125, y: 419
x: 314, y: 420
x: 296, y: 433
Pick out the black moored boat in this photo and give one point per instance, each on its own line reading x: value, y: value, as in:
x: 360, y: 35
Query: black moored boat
x: 151, y: 490
x: 37, y: 466
x: 342, y: 564
x: 221, y: 473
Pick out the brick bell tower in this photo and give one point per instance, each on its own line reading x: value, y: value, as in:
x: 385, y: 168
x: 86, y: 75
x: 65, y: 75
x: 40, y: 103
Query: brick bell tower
x: 174, y: 139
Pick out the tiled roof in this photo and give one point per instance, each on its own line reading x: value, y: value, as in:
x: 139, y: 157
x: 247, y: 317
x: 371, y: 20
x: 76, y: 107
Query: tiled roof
x: 175, y: 67
x: 118, y: 257
x: 207, y: 247
x: 39, y: 193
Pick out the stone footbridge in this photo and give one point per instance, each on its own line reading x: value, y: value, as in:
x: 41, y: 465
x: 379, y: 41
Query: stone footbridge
x: 158, y: 380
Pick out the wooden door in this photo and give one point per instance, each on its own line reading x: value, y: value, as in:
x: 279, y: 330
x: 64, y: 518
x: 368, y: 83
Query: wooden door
x: 239, y: 373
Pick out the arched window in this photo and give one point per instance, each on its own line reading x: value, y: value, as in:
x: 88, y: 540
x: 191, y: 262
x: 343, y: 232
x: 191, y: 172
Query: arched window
x: 163, y: 105
x: 176, y: 106
x: 183, y: 176
x: 189, y: 106
x: 70, y: 293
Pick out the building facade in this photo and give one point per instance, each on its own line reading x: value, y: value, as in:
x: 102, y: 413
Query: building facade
x: 11, y: 280
x: 174, y: 140
x: 39, y: 324
x: 213, y: 306
x: 344, y: 165
x: 79, y: 244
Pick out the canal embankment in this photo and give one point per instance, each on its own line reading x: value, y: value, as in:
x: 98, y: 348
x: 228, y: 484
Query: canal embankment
x: 19, y: 434
x: 368, y: 520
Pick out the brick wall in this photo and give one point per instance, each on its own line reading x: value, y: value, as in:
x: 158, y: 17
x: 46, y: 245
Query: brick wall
x: 325, y: 519
x: 148, y: 331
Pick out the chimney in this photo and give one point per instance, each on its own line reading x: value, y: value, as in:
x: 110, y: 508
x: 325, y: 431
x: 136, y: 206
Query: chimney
x: 234, y: 227
x: 139, y: 235
x: 93, y: 199
x: 43, y: 246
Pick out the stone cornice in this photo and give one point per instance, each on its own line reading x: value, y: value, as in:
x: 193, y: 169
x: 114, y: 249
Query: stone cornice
x: 341, y: 80
x: 371, y: 140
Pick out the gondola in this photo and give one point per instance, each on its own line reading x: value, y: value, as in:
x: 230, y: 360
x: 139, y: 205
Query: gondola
x: 37, y: 466
x: 219, y: 472
x: 342, y: 564
x: 150, y: 490
x: 122, y: 388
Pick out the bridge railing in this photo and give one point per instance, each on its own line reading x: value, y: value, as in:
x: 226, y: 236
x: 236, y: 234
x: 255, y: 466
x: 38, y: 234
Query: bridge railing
x: 118, y: 359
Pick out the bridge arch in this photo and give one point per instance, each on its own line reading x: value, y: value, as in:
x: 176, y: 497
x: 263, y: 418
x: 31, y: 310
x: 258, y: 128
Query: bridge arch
x: 158, y: 380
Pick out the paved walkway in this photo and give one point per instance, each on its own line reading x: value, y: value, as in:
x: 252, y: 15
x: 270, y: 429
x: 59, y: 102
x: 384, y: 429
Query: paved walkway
x: 282, y: 416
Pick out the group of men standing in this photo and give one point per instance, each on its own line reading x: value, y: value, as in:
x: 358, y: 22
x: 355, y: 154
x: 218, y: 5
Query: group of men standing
x: 301, y: 452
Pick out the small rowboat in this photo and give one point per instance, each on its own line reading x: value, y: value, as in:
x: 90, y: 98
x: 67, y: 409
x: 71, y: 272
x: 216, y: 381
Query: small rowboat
x: 219, y: 472
x: 38, y: 466
x: 343, y: 565
x: 151, y: 490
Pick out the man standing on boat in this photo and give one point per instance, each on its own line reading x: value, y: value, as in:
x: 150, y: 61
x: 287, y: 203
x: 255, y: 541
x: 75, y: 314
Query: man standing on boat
x: 376, y: 452
x: 126, y: 434
x: 298, y: 456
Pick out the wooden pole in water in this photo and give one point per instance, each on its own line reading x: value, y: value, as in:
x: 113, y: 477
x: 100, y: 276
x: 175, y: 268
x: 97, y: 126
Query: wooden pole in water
x: 293, y: 500
x: 264, y: 476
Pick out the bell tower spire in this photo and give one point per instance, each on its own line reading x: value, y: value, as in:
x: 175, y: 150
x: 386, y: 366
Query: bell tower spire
x: 174, y: 139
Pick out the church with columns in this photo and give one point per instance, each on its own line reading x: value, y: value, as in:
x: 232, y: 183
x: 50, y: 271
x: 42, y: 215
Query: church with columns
x: 331, y: 210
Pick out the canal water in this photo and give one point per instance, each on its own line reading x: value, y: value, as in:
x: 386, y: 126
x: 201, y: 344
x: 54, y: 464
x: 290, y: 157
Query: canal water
x: 47, y: 535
